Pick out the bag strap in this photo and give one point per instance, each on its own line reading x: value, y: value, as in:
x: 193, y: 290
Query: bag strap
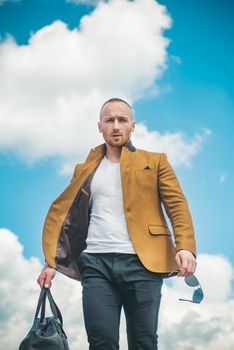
x: 54, y: 306
x: 41, y: 304
x: 41, y: 301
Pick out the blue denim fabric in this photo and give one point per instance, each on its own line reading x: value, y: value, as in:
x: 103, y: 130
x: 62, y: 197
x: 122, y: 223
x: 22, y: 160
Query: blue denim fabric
x: 113, y: 280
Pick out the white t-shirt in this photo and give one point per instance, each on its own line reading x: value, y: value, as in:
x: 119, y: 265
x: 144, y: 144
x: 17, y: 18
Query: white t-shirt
x: 107, y: 230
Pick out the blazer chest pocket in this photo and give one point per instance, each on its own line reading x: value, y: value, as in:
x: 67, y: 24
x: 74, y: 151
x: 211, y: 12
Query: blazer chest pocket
x: 145, y: 180
x: 147, y: 170
x: 159, y: 230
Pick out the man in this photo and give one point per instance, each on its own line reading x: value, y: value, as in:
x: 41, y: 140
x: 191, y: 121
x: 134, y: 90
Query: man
x: 108, y: 231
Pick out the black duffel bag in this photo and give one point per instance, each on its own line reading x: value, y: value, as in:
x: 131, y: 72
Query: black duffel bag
x: 46, y: 333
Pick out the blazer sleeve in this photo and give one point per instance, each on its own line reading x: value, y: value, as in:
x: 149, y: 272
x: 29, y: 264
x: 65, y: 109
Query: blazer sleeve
x: 75, y: 174
x: 176, y: 206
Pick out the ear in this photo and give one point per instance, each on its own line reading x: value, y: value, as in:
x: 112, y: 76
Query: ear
x: 99, y: 127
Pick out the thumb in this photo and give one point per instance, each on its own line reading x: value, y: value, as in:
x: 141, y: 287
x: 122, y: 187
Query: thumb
x: 48, y: 281
x: 47, y: 284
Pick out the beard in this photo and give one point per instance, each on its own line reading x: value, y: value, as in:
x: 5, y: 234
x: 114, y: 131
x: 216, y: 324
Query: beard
x: 116, y: 141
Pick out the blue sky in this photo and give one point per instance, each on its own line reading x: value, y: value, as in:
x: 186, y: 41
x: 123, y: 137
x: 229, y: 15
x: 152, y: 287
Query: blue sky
x: 59, y: 61
x: 202, y: 97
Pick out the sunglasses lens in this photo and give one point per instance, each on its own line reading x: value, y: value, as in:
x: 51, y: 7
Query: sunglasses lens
x: 191, y: 280
x: 198, y: 295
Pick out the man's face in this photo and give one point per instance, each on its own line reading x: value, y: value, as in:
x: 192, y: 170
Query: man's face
x: 116, y: 123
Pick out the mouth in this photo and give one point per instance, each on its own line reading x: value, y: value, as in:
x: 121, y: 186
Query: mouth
x: 116, y: 135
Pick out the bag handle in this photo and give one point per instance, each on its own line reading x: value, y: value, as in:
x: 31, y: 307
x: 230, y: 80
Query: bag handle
x: 41, y: 304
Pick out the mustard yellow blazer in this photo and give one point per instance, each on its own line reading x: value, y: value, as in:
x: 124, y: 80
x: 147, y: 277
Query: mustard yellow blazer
x: 148, y: 181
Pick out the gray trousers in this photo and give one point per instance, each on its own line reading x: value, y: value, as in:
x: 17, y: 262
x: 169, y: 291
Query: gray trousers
x: 113, y: 280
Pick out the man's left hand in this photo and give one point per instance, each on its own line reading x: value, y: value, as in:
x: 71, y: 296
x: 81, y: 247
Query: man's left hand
x: 186, y: 262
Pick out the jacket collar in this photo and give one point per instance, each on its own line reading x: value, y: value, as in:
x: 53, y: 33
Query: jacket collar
x: 99, y: 151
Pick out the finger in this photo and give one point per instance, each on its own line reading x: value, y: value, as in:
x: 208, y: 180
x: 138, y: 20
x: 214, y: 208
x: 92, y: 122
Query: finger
x: 48, y: 282
x: 190, y: 267
x: 194, y: 266
x: 184, y: 267
x: 179, y: 263
x: 178, y: 260
x: 41, y: 281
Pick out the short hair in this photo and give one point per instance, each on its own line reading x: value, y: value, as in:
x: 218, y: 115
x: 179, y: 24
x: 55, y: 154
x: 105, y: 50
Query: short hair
x: 115, y: 99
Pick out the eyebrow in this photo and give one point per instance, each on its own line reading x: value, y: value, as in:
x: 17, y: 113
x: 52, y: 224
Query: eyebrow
x: 119, y: 116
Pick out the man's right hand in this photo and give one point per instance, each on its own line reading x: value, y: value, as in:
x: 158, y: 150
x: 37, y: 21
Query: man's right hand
x: 45, y: 277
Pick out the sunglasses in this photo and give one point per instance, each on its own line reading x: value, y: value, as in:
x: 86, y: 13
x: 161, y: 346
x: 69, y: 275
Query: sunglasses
x: 192, y: 281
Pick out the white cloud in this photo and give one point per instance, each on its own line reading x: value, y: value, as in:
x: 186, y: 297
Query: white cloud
x: 19, y: 294
x: 4, y: 1
x: 222, y: 178
x: 176, y: 59
x: 209, y: 325
x: 86, y: 2
x: 178, y: 148
x: 52, y: 89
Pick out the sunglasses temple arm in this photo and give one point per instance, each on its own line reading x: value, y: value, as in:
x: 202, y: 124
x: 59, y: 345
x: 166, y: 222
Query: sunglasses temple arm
x: 186, y: 300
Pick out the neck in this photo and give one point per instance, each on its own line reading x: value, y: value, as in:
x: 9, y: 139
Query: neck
x: 113, y: 153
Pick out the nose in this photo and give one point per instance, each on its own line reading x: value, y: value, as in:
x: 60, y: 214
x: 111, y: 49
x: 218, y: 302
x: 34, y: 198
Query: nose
x: 116, y: 124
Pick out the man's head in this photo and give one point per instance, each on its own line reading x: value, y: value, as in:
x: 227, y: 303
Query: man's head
x: 116, y: 122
